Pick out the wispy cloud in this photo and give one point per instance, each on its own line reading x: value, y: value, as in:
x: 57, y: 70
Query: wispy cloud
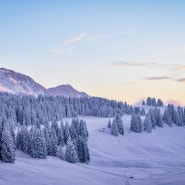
x: 133, y: 83
x: 129, y: 64
x: 181, y: 80
x: 75, y: 39
x: 157, y: 78
x: 61, y: 51
x: 178, y: 67
x: 99, y: 37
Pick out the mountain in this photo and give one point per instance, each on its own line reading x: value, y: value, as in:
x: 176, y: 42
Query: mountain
x: 17, y: 83
x: 65, y: 90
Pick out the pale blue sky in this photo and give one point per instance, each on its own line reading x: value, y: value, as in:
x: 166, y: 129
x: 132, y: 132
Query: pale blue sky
x: 124, y: 50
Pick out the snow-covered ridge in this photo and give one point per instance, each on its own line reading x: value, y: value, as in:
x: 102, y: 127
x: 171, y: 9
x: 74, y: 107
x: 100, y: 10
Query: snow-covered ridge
x: 17, y: 83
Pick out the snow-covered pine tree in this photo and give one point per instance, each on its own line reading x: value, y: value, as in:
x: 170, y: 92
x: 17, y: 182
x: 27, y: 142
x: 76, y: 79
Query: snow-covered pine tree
x: 153, y: 118
x: 53, y: 146
x: 147, y: 125
x: 179, y: 117
x: 47, y: 138
x: 23, y: 139
x: 60, y: 153
x: 7, y: 151
x: 38, y: 148
x: 72, y: 130
x: 109, y: 124
x: 70, y: 153
x: 83, y: 132
x: 66, y: 132
x: 82, y: 150
x: 136, y: 124
x: 114, y: 128
x: 167, y: 118
x: 119, y: 122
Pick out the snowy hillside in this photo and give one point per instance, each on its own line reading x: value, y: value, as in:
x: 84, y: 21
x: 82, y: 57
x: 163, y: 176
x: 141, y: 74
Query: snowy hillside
x: 66, y: 91
x: 157, y: 158
x: 17, y: 83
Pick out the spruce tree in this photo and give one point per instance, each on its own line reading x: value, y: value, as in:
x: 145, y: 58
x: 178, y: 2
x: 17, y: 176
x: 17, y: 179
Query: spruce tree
x: 114, y: 128
x: 147, y: 124
x: 70, y: 153
x: 7, y: 146
x: 60, y: 153
x: 109, y: 124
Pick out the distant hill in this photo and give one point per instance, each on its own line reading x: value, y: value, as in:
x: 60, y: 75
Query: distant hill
x: 17, y: 83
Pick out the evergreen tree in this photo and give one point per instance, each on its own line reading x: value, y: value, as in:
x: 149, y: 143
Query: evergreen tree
x: 147, y: 124
x: 66, y: 132
x: 109, y: 124
x: 114, y: 128
x: 136, y: 124
x: 119, y: 122
x: 82, y: 150
x: 53, y: 146
x: 70, y: 153
x: 7, y: 152
x: 38, y: 148
x: 60, y: 153
x: 167, y: 118
x: 83, y: 132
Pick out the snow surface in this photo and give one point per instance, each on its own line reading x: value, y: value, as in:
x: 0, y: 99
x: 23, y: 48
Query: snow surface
x: 133, y: 159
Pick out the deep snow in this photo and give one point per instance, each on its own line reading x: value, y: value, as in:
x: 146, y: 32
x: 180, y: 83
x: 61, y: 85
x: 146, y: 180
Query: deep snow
x: 133, y: 159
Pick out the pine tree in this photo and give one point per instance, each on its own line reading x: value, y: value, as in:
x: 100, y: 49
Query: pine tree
x: 66, y: 132
x: 7, y: 146
x: 60, y: 153
x: 109, y: 124
x: 38, y: 148
x: 119, y: 122
x: 82, y: 150
x: 70, y: 153
x: 136, y: 124
x: 53, y: 146
x: 114, y: 128
x: 147, y: 124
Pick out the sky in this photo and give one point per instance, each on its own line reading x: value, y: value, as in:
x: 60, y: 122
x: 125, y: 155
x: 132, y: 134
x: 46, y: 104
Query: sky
x: 123, y: 49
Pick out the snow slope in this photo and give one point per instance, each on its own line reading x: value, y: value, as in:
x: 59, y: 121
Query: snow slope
x: 17, y: 83
x: 133, y: 159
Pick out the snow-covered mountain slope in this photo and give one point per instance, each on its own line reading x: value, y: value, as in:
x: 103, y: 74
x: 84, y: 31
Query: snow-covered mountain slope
x: 65, y: 90
x: 17, y: 83
x: 133, y: 159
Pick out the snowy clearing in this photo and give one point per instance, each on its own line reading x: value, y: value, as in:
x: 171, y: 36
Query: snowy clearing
x: 133, y: 159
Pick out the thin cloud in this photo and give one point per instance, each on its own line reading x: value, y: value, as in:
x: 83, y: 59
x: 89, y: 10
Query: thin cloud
x: 133, y: 83
x: 99, y: 37
x: 75, y: 39
x: 157, y: 78
x: 178, y: 67
x: 181, y: 80
x: 129, y: 64
x: 61, y: 51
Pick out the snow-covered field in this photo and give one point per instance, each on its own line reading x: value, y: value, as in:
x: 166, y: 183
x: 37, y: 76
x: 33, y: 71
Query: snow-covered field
x: 133, y: 159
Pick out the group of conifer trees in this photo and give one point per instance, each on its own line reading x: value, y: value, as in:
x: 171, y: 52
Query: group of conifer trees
x: 68, y: 142
x: 154, y: 118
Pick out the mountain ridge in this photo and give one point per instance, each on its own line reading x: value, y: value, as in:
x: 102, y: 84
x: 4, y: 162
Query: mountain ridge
x: 18, y: 83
